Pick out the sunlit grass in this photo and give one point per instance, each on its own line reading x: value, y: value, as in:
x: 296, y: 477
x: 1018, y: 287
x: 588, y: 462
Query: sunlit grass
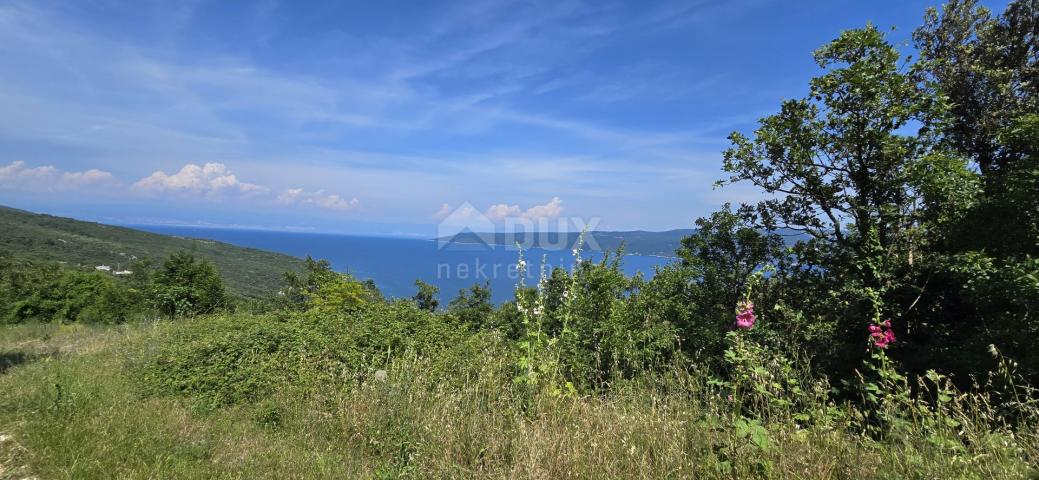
x: 82, y: 414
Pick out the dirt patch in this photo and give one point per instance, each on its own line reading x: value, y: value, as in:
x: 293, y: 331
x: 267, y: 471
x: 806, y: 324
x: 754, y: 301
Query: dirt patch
x: 13, y: 459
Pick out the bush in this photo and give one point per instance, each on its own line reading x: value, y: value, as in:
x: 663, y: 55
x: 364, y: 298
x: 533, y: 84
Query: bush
x: 233, y: 359
x: 44, y: 292
x: 187, y: 286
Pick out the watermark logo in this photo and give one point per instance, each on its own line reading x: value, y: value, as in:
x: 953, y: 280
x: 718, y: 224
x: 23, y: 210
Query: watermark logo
x: 466, y: 226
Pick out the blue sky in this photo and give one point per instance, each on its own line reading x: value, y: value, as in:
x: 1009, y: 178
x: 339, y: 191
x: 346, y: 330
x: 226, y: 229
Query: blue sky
x: 381, y: 117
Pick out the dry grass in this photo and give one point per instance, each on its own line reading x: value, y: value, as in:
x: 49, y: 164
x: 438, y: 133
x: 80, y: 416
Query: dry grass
x: 80, y: 415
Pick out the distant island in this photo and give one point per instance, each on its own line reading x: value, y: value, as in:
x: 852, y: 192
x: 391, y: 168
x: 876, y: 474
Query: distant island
x: 637, y: 242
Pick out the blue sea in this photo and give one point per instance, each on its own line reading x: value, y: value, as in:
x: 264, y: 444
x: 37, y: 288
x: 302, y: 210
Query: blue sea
x: 394, y: 263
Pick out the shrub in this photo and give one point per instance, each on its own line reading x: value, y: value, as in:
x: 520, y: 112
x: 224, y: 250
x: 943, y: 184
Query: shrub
x: 187, y: 286
x: 232, y: 359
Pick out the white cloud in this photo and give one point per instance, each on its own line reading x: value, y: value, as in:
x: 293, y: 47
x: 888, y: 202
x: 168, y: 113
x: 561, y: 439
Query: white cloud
x: 211, y: 179
x: 18, y: 176
x: 298, y: 196
x: 89, y: 177
x: 18, y: 170
x: 552, y: 209
x: 445, y: 210
x: 501, y: 211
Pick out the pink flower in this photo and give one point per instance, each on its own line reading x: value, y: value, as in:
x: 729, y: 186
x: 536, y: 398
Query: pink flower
x: 882, y: 335
x: 745, y: 315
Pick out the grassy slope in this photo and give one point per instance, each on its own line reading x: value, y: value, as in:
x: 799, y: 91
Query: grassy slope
x: 72, y: 408
x: 31, y: 236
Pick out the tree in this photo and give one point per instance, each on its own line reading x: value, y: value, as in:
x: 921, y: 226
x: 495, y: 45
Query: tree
x: 300, y: 286
x: 339, y: 294
x: 723, y: 253
x: 983, y: 287
x: 320, y: 289
x: 426, y: 297
x: 473, y: 307
x: 986, y: 68
x: 846, y: 166
x: 836, y: 163
x: 186, y: 286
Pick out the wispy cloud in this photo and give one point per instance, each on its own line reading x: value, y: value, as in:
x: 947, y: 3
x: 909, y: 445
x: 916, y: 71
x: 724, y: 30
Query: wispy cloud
x: 298, y: 196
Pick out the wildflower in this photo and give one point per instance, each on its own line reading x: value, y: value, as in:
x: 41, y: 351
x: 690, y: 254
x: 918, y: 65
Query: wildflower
x: 882, y: 335
x: 745, y: 315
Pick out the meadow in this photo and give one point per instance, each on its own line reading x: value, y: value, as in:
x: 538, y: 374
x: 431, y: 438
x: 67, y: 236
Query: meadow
x: 254, y: 397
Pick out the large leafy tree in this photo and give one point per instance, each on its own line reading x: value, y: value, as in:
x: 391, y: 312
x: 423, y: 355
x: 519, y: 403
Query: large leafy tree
x: 837, y: 164
x: 987, y: 69
x: 984, y: 289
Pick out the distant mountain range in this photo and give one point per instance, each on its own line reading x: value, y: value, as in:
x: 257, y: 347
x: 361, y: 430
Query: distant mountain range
x: 635, y: 242
x: 39, y: 237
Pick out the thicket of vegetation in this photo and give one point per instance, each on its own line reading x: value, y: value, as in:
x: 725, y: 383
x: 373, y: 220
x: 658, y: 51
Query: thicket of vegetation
x: 897, y: 340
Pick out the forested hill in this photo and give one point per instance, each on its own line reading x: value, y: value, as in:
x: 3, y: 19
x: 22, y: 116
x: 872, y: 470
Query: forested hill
x: 31, y: 236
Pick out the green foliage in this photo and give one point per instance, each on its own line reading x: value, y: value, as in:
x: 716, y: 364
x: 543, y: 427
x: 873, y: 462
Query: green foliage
x: 877, y: 166
x: 582, y: 330
x: 44, y: 292
x: 718, y: 261
x: 426, y: 297
x: 44, y: 238
x: 454, y: 413
x: 984, y: 67
x: 472, y: 307
x: 322, y: 290
x: 188, y: 286
x: 235, y: 359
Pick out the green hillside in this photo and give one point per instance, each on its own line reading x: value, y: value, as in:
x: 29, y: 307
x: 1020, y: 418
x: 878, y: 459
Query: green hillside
x: 31, y: 236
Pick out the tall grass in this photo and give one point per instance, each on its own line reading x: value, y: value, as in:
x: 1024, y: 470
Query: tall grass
x: 86, y: 413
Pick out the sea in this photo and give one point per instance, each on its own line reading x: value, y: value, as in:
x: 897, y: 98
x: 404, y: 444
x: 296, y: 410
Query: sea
x: 394, y: 263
